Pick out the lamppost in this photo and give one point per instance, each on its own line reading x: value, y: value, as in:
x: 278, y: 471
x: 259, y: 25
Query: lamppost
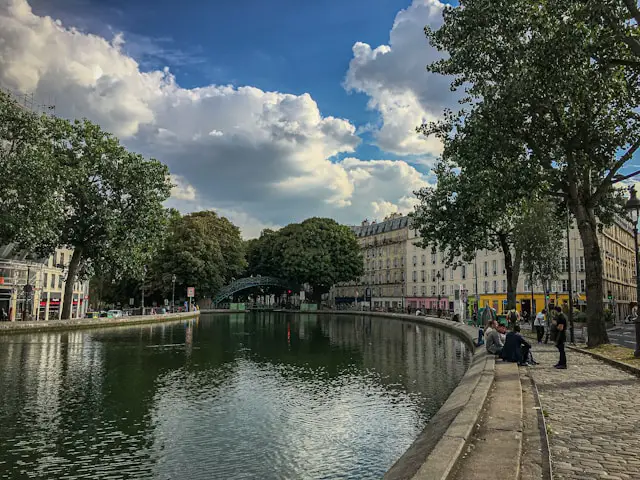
x: 144, y: 275
x: 569, y: 281
x: 173, y: 293
x: 439, y: 293
x: 633, y: 207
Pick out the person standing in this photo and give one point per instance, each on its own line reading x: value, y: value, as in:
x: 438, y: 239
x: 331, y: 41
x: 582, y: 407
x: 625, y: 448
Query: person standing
x: 561, y: 337
x: 539, y: 324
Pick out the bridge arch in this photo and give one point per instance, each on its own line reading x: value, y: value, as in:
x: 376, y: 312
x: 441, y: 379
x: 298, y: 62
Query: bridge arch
x: 248, y: 282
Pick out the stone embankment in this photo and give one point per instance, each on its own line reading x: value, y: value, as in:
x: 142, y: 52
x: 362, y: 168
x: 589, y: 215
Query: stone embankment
x: 77, y: 323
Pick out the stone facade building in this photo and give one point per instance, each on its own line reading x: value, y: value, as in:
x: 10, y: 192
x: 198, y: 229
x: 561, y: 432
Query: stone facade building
x: 34, y: 287
x: 400, y: 274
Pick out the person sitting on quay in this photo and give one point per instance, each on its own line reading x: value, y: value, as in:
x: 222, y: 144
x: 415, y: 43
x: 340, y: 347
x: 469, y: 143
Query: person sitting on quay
x: 494, y: 343
x: 516, y: 348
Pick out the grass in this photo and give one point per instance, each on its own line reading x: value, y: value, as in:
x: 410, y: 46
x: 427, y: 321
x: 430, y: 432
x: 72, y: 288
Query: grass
x: 615, y: 352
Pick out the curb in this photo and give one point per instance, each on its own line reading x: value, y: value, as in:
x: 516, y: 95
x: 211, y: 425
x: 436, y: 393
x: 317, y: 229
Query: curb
x: 542, y: 422
x: 439, y: 447
x: 77, y: 324
x: 615, y: 363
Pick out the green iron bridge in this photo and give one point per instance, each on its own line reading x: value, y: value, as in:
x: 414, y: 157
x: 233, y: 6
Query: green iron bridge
x: 245, y: 283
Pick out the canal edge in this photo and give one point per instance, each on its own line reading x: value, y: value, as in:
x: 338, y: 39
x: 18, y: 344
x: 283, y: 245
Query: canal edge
x: 12, y: 328
x: 436, y: 451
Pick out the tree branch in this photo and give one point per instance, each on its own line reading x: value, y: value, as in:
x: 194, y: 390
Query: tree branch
x: 608, y: 180
x: 632, y: 6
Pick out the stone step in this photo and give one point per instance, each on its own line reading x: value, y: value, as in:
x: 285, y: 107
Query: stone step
x: 495, y: 448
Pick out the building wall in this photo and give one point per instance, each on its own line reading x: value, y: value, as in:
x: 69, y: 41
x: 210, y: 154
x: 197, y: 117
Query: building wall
x: 421, y: 287
x: 48, y: 279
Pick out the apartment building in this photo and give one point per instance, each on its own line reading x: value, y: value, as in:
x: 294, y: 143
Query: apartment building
x: 33, y: 288
x: 420, y: 278
x: 384, y: 252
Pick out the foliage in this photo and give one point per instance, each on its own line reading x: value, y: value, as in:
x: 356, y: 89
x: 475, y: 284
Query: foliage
x: 531, y: 67
x: 30, y: 202
x: 113, y: 218
x: 203, y: 250
x: 539, y: 236
x: 318, y: 251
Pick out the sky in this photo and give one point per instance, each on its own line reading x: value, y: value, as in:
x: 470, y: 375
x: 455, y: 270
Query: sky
x: 267, y: 112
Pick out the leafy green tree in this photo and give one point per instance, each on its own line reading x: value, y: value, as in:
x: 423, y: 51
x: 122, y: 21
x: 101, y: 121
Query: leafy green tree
x: 538, y: 236
x: 30, y: 202
x: 203, y: 250
x: 319, y: 252
x: 530, y: 66
x: 113, y: 217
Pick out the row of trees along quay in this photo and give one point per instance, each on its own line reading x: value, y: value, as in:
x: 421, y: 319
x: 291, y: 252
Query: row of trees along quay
x: 549, y: 94
x: 72, y: 184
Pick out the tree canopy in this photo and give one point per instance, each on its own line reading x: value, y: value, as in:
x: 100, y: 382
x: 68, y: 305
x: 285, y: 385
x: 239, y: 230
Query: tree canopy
x: 532, y: 68
x: 318, y: 251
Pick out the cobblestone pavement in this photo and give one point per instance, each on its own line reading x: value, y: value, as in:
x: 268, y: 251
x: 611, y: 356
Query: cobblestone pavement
x: 594, y: 416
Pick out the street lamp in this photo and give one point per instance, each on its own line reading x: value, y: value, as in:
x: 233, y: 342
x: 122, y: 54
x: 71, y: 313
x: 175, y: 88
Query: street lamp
x: 144, y: 275
x: 633, y: 207
x: 173, y: 293
x: 439, y: 293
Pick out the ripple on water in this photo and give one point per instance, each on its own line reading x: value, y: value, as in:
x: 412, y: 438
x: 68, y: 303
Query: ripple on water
x: 230, y: 400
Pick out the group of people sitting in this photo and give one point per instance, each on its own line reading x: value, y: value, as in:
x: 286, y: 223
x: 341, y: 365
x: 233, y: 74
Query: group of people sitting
x: 509, y: 346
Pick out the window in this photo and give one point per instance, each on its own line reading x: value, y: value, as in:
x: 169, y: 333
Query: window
x: 486, y: 287
x: 504, y: 285
x: 395, y: 277
x: 433, y: 275
x: 388, y: 262
x: 395, y: 262
x: 452, y: 290
x: 424, y: 260
x: 44, y: 280
x: 463, y: 273
x: 494, y: 265
x: 502, y: 267
x: 415, y: 290
x: 53, y: 281
x: 415, y: 260
x: 565, y: 286
x: 433, y: 258
x: 402, y: 276
x: 443, y: 290
x: 581, y: 263
x: 414, y: 276
x: 451, y: 273
x: 402, y: 261
x: 433, y: 289
x: 379, y: 263
x: 422, y: 275
x: 495, y: 287
x: 59, y: 281
x: 526, y: 285
x: 565, y: 264
x: 424, y: 291
x: 486, y: 268
x: 388, y: 277
x: 582, y: 286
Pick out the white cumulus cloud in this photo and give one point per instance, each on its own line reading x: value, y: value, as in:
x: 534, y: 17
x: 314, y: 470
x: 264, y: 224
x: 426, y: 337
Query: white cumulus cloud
x: 395, y: 79
x: 264, y: 158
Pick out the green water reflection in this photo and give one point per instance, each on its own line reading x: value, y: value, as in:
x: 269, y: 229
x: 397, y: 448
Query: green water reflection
x: 266, y: 396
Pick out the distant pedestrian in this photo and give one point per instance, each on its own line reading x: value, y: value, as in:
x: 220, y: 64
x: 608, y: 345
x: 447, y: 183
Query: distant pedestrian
x: 539, y: 324
x: 561, y: 337
x: 3, y: 315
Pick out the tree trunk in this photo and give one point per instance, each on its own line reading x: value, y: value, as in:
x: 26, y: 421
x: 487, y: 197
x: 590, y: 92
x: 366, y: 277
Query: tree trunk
x: 512, y: 267
x: 587, y: 227
x: 72, y: 273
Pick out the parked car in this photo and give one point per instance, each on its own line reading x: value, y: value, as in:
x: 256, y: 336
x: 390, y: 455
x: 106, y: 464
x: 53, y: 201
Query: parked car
x: 629, y: 319
x: 114, y: 314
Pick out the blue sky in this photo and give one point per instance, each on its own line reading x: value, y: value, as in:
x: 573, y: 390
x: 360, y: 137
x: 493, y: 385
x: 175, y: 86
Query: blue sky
x: 281, y: 45
x: 267, y: 112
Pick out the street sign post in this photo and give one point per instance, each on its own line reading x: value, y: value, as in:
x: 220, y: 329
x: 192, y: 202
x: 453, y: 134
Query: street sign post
x: 191, y: 292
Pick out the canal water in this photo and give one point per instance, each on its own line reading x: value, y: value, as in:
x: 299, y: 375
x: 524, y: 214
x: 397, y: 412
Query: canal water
x: 239, y: 396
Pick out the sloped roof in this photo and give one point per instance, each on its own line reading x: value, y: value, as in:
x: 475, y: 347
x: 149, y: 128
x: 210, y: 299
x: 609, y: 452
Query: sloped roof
x: 381, y: 227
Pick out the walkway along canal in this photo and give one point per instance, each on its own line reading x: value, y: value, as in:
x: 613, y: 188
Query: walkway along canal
x: 263, y: 395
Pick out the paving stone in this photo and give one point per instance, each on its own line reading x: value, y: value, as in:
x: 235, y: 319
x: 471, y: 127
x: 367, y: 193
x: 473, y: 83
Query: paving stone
x: 592, y: 413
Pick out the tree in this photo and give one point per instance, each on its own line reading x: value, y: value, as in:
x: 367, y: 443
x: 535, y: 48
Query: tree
x: 30, y: 202
x: 318, y: 251
x: 538, y: 237
x: 203, y: 250
x: 113, y: 217
x: 529, y: 66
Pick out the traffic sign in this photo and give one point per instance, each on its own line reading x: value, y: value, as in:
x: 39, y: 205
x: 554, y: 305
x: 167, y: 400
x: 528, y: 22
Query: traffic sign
x: 191, y: 292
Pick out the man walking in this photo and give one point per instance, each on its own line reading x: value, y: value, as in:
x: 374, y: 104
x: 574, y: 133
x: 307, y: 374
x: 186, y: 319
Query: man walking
x: 561, y: 337
x: 539, y: 324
